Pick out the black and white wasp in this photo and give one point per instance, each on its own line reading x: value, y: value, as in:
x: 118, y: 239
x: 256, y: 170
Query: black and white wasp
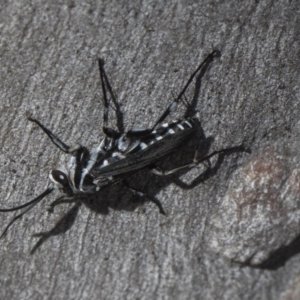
x: 118, y: 155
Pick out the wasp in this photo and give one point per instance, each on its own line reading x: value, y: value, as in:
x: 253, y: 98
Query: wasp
x: 118, y: 155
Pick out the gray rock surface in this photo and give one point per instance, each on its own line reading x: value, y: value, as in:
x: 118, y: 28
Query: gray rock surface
x: 259, y: 212
x: 231, y: 232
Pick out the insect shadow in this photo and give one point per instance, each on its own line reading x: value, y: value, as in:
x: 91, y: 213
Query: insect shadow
x: 115, y: 162
x: 277, y: 258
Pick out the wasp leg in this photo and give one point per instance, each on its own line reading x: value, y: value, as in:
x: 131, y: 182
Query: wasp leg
x: 54, y: 139
x: 118, y: 112
x: 157, y: 171
x: 111, y: 133
x: 142, y: 194
x: 173, y: 105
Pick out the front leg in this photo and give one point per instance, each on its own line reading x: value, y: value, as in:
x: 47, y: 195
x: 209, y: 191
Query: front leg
x: 54, y: 139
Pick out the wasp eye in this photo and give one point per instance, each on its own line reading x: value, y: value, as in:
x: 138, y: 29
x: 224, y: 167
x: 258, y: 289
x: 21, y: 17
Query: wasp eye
x: 59, y: 177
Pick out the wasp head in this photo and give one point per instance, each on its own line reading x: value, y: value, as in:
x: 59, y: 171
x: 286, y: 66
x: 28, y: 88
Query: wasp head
x: 60, y: 179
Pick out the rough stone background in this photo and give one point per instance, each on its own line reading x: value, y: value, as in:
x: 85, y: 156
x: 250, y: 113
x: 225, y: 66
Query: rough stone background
x: 230, y: 233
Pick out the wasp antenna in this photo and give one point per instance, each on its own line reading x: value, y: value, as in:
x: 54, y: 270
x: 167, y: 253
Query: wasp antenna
x: 14, y: 219
x: 34, y: 201
x: 29, y: 206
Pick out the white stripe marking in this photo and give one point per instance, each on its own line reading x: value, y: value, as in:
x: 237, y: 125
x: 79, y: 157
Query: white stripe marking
x: 180, y: 126
x: 158, y: 137
x: 143, y: 145
x: 117, y: 154
x: 188, y: 123
x: 171, y: 131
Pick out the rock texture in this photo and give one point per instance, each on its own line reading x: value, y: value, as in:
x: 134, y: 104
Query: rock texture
x: 231, y: 231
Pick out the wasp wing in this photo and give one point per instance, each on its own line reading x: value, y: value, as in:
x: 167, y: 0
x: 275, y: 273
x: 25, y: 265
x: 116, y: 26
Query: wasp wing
x: 139, y: 160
